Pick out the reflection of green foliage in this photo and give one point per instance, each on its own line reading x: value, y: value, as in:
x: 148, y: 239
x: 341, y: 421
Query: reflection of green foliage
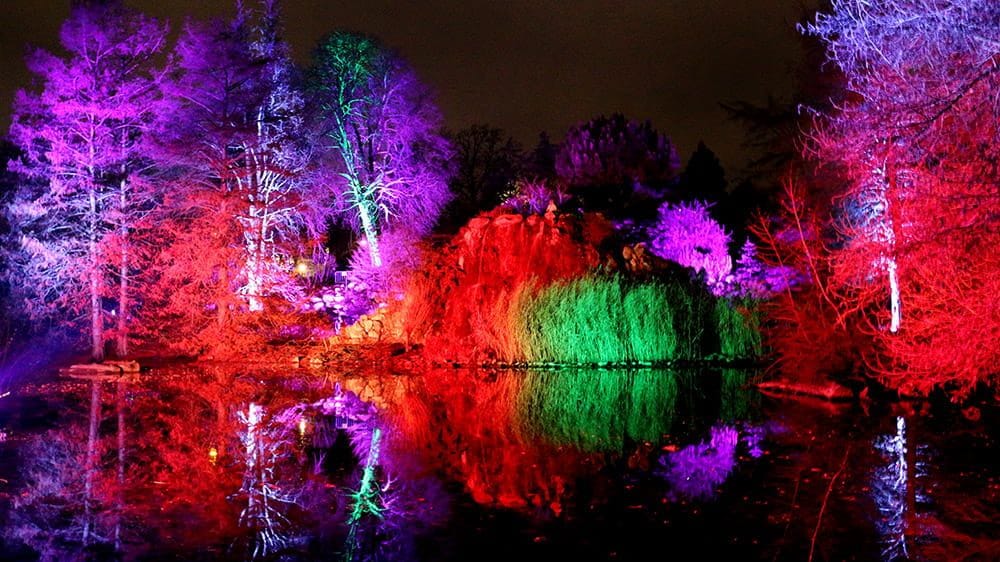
x: 737, y: 397
x: 652, y: 400
x: 610, y: 320
x: 691, y: 307
x: 597, y: 410
x: 738, y: 326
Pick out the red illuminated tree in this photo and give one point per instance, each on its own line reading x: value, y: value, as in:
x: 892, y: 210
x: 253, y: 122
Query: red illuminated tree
x: 915, y: 146
x: 233, y: 138
x: 83, y: 135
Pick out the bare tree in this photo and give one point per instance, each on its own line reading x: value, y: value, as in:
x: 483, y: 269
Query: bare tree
x: 916, y: 147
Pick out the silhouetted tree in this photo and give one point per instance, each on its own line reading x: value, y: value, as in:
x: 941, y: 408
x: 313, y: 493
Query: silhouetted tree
x: 487, y: 163
x: 541, y: 162
x: 703, y: 178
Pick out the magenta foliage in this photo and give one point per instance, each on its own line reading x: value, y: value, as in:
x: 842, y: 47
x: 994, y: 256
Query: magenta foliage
x: 534, y: 197
x: 686, y: 234
x: 695, y: 471
x: 755, y: 279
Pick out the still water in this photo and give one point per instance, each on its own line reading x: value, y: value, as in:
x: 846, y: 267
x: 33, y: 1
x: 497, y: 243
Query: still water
x: 224, y: 462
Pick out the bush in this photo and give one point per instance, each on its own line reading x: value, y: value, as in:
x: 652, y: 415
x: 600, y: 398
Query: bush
x: 737, y: 323
x: 609, y: 319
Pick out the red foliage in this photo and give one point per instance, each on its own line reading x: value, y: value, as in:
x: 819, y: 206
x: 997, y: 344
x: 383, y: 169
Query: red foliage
x: 482, y: 446
x: 459, y: 304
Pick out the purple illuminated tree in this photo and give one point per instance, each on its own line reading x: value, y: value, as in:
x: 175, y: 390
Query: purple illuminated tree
x: 389, y: 159
x: 686, y: 234
x: 84, y: 191
x: 234, y: 137
x: 608, y: 159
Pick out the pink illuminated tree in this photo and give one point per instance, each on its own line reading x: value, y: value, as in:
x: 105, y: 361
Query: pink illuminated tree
x: 388, y: 158
x: 83, y: 133
x: 915, y: 146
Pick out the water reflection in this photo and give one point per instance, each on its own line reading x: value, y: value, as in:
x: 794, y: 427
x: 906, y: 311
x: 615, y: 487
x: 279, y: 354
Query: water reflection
x: 695, y: 471
x: 215, y: 463
x: 596, y: 410
x: 890, y: 488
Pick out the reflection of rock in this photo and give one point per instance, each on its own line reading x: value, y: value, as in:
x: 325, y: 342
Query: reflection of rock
x: 827, y: 390
x: 101, y: 370
x: 107, y: 367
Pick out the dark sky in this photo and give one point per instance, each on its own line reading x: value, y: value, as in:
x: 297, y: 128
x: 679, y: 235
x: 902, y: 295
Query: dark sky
x: 528, y: 66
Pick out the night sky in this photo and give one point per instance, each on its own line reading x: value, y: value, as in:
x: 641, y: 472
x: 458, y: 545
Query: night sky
x: 528, y: 66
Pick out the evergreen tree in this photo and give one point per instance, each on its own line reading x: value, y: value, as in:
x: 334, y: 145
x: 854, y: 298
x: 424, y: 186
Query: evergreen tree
x: 83, y: 190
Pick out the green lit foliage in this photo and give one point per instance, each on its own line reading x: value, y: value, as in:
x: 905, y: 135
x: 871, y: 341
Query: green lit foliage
x: 737, y: 323
x: 597, y: 410
x: 737, y: 395
x: 604, y: 320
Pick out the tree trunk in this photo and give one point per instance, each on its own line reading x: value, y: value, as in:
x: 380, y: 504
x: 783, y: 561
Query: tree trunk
x: 91, y: 461
x: 120, y: 499
x: 96, y: 323
x: 894, y: 304
x: 123, y: 277
x: 368, y: 225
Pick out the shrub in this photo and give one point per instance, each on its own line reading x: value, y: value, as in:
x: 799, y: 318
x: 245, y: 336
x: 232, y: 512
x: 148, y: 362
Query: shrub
x: 609, y: 319
x: 737, y: 322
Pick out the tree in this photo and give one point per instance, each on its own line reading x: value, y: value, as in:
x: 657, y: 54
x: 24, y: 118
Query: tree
x: 703, y: 178
x: 488, y: 162
x: 384, y: 137
x: 83, y: 134
x: 235, y: 140
x: 686, y: 234
x: 607, y: 159
x: 916, y: 148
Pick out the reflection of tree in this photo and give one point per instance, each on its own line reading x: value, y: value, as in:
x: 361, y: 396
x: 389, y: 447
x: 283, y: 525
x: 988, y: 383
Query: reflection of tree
x: 597, y: 410
x: 737, y: 395
x: 695, y: 471
x: 523, y: 439
x: 267, y: 492
x: 891, y: 491
x: 72, y: 499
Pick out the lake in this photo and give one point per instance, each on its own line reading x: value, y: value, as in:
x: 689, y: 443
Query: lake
x: 233, y: 462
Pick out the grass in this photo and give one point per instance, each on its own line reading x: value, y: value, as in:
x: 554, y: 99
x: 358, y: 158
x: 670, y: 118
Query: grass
x: 737, y: 324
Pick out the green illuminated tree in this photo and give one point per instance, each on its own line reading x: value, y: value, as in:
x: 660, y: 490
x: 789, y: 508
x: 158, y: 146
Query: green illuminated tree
x: 384, y: 138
